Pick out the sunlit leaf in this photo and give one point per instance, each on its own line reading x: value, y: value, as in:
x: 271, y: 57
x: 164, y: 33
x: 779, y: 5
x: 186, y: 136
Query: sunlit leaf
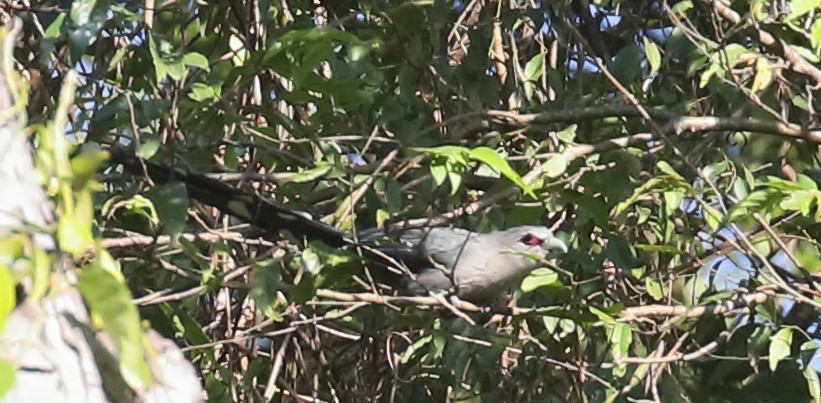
x: 800, y: 7
x: 7, y: 296
x: 813, y: 384
x: 110, y: 300
x: 492, y: 158
x: 539, y: 278
x: 568, y: 134
x: 763, y: 74
x: 7, y: 376
x: 533, y: 68
x: 652, y: 53
x: 780, y: 346
x: 654, y: 288
x: 195, y: 59
x: 555, y: 165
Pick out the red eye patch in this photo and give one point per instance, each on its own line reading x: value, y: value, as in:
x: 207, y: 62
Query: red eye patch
x: 531, y: 240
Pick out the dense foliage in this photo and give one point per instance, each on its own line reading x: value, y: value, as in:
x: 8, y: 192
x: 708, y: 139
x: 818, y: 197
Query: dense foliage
x: 673, y: 144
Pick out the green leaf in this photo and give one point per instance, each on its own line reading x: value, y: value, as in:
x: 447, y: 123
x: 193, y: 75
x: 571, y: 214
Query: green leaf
x: 393, y: 196
x: 660, y: 249
x: 740, y: 189
x: 652, y: 53
x: 7, y: 375
x: 800, y: 7
x: 81, y: 11
x: 815, y: 35
x: 756, y: 201
x: 451, y: 152
x: 800, y: 200
x: 110, y: 300
x: 84, y: 166
x: 734, y: 52
x: 757, y: 341
x: 813, y: 385
x: 627, y: 66
x: 447, y: 162
x: 7, y: 296
x: 41, y: 273
x: 265, y: 282
x: 87, y: 19
x: 763, y: 74
x: 413, y: 348
x: 672, y: 201
x: 74, y: 234
x: 490, y: 157
x: 564, y: 326
x: 202, y: 92
x: 196, y: 60
x: 602, y: 315
x: 53, y: 30
x: 693, y: 289
x: 311, y: 261
x: 456, y: 172
x: 620, y: 337
x: 147, y: 149
x: 438, y: 172
x: 533, y: 68
x: 382, y: 217
x: 303, y: 291
x: 806, y: 53
x: 807, y: 352
x: 539, y: 278
x: 780, y: 346
x: 712, y: 171
x: 806, y: 182
x: 171, y: 204
x: 555, y: 165
x: 681, y: 7
x: 654, y: 288
x: 312, y: 174
x: 713, y: 69
x: 238, y: 49
x: 640, y: 192
x: 665, y: 167
x: 711, y: 216
x: 620, y: 252
x: 159, y: 65
x: 138, y: 204
x: 568, y: 134
x: 594, y: 207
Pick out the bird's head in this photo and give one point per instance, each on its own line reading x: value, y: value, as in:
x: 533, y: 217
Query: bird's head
x: 536, y: 240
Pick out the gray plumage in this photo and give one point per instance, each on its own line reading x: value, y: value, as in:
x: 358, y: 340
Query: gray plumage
x: 478, y: 266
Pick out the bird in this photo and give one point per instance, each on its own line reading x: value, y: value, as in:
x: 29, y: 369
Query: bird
x: 479, y: 266
x: 475, y: 266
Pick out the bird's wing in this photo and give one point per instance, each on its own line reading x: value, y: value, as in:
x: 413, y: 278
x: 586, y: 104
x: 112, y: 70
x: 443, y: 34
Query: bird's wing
x: 445, y: 246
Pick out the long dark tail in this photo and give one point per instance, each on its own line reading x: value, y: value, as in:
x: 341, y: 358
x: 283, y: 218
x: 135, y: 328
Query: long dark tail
x: 246, y: 206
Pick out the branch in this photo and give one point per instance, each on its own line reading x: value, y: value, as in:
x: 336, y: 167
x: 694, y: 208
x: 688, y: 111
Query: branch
x: 741, y: 301
x: 673, y: 123
x: 131, y: 239
x: 627, y: 315
x: 773, y: 44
